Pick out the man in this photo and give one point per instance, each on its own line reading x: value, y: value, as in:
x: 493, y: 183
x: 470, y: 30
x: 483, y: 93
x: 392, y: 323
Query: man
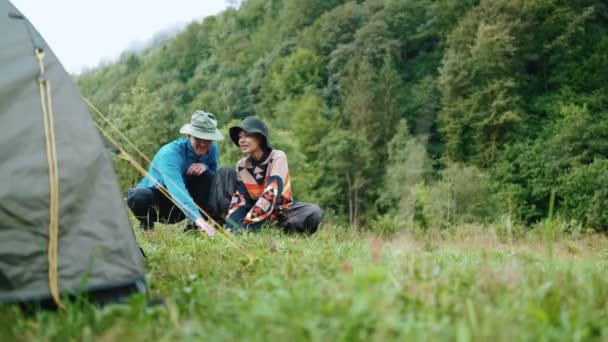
x: 264, y: 187
x: 188, y: 169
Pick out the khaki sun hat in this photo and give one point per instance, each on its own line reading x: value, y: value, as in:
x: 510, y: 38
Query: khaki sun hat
x: 203, y: 125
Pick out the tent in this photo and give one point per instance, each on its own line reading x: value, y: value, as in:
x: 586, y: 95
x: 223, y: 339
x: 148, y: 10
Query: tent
x: 64, y: 228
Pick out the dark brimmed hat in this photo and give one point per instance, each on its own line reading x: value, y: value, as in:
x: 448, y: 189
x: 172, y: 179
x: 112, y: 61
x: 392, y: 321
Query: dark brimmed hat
x: 250, y: 125
x: 203, y: 126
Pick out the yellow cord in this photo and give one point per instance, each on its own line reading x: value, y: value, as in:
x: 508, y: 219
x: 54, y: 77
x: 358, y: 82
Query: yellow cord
x: 51, y: 153
x: 98, y: 112
x: 224, y: 235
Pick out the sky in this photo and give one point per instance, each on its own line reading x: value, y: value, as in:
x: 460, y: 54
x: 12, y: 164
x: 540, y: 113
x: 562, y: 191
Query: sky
x: 82, y: 33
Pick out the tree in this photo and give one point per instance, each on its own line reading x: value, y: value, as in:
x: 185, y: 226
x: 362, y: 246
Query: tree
x: 289, y: 77
x: 406, y: 167
x: 310, y: 123
x: 372, y: 102
x: 585, y: 195
x: 138, y: 115
x: 478, y: 83
x: 334, y: 28
x: 556, y: 160
x: 348, y: 156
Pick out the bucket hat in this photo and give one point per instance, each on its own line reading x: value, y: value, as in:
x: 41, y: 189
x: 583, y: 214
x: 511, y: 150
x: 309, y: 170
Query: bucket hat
x: 203, y: 125
x: 250, y: 125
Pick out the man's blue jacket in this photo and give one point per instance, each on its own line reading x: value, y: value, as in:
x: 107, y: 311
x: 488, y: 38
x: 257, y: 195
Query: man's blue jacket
x: 169, y: 168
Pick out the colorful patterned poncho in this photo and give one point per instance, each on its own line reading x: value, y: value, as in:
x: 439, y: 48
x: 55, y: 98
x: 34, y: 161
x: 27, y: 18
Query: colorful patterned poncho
x: 263, y: 190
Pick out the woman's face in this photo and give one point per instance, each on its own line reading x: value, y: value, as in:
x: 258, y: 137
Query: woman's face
x: 250, y: 143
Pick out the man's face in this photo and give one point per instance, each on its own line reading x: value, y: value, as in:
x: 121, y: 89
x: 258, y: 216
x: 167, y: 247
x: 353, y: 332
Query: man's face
x: 200, y: 146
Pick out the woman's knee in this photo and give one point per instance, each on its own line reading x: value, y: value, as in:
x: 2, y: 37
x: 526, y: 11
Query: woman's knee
x: 314, y: 218
x: 305, y: 219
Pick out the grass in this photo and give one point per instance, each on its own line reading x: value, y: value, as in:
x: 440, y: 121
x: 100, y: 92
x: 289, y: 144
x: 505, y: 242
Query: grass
x: 463, y: 284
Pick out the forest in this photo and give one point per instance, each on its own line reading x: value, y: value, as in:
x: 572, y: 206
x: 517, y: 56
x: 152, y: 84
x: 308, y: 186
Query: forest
x: 393, y: 113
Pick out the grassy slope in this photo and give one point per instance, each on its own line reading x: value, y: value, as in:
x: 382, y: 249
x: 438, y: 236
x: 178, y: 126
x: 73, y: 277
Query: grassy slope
x: 339, y: 285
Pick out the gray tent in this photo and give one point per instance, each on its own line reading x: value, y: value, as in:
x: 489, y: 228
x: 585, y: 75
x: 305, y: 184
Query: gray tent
x: 54, y: 168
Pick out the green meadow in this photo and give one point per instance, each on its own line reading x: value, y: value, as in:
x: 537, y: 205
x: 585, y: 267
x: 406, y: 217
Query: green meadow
x: 465, y: 284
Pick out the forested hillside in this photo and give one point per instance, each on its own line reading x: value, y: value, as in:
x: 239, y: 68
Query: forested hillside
x: 393, y: 112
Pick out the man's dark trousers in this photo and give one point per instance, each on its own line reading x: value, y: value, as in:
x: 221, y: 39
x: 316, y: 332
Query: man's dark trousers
x: 212, y: 192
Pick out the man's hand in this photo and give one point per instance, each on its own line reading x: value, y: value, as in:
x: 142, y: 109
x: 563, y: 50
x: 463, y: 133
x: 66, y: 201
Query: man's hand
x: 196, y: 169
x: 204, y: 227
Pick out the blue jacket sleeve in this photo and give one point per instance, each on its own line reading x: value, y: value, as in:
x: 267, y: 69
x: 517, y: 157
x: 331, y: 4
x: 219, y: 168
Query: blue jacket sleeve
x: 168, y: 166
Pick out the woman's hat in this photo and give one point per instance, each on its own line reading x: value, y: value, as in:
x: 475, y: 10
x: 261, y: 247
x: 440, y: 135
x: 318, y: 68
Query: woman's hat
x: 250, y: 125
x: 203, y: 126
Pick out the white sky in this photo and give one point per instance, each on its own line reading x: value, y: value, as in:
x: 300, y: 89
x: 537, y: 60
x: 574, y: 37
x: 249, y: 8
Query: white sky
x: 84, y: 32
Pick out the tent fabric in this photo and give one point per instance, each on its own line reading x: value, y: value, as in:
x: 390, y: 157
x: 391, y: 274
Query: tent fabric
x: 97, y: 248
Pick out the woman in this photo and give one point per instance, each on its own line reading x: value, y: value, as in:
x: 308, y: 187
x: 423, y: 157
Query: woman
x: 263, y: 185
